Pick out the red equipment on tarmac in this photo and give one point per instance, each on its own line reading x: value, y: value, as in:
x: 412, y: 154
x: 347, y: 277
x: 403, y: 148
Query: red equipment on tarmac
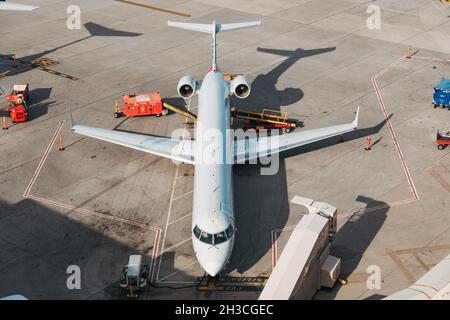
x: 141, y: 105
x: 442, y: 140
x: 17, y: 106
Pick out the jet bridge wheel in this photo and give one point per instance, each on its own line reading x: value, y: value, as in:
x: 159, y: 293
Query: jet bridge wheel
x: 288, y: 130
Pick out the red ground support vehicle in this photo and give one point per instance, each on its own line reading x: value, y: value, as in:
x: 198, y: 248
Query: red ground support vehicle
x: 17, y: 103
x: 442, y: 140
x: 141, y: 105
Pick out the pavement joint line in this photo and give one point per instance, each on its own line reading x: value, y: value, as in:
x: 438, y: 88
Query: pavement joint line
x: 415, y: 195
x: 169, y: 211
x: 185, y: 216
x: 155, y: 8
x: 401, y: 266
x: 26, y: 194
x: 183, y: 195
x: 179, y: 270
x: 176, y: 245
x: 421, y: 262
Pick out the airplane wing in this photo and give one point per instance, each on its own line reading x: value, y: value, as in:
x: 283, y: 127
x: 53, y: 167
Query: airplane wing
x: 175, y: 149
x: 251, y: 149
x: 15, y: 6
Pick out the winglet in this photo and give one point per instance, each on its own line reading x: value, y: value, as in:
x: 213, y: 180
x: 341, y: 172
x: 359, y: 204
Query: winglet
x: 355, y: 122
x: 72, y: 123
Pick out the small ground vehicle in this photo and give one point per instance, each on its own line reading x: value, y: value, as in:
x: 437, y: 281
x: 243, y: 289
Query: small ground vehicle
x: 134, y: 276
x: 141, y: 105
x: 442, y: 140
x: 441, y: 95
x: 17, y: 106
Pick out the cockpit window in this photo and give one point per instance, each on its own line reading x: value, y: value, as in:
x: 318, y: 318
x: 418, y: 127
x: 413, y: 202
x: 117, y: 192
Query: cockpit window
x: 206, y: 237
x: 216, y: 238
x: 197, y: 232
x: 220, y: 237
x: 229, y: 232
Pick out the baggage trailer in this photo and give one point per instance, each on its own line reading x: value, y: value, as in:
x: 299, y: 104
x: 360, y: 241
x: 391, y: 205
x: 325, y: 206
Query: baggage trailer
x: 141, y: 105
x: 442, y: 140
x: 441, y: 95
x: 268, y: 119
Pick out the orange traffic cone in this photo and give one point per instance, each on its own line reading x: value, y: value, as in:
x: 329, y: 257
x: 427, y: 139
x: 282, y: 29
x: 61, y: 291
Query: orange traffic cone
x: 14, y: 61
x: 61, y: 144
x: 368, y: 143
x: 4, y: 123
x: 341, y: 138
x: 408, y: 52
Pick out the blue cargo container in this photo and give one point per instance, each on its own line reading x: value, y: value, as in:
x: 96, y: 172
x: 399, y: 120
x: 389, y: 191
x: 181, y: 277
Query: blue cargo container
x: 441, y: 95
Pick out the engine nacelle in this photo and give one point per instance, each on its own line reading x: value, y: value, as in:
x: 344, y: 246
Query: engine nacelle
x: 240, y: 87
x: 186, y: 87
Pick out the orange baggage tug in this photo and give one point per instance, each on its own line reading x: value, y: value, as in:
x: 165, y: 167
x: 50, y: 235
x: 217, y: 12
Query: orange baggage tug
x: 141, y: 105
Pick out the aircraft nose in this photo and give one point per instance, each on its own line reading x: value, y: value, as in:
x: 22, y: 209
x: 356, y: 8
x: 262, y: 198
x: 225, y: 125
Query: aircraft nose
x: 212, y: 267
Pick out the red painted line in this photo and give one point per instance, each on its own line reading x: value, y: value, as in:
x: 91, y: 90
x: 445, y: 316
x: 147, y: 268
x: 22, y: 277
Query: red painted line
x: 93, y: 213
x: 154, y: 255
x: 43, y: 159
x: 393, y: 135
x: 26, y: 194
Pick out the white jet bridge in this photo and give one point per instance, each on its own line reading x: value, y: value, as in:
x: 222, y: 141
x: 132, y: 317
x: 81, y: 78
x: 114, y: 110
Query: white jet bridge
x: 306, y: 264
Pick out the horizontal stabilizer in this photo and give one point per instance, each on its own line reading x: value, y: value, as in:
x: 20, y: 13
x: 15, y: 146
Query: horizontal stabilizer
x: 212, y: 27
x: 16, y: 6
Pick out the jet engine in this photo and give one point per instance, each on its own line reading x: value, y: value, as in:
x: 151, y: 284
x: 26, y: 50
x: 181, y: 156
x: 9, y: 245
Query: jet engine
x: 240, y: 87
x: 186, y: 87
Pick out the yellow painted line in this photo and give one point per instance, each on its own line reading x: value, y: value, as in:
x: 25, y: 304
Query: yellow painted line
x: 154, y: 8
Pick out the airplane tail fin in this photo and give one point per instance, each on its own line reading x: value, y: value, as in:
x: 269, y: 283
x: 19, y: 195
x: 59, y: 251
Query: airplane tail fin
x: 212, y: 28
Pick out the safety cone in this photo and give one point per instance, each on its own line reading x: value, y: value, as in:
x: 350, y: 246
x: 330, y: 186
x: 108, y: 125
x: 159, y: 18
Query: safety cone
x: 61, y: 143
x: 14, y: 61
x: 5, y: 127
x: 341, y: 138
x: 408, y: 52
x: 368, y: 143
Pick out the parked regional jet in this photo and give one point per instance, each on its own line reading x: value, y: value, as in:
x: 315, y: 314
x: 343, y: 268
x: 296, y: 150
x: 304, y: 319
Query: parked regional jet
x: 213, y: 228
x: 4, y: 5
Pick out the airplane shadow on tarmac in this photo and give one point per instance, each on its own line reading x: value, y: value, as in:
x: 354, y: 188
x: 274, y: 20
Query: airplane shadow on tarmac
x: 261, y: 202
x: 38, y: 243
x: 7, y: 68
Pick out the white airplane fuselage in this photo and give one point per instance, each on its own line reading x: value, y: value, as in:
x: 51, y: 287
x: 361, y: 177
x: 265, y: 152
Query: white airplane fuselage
x: 213, y: 216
